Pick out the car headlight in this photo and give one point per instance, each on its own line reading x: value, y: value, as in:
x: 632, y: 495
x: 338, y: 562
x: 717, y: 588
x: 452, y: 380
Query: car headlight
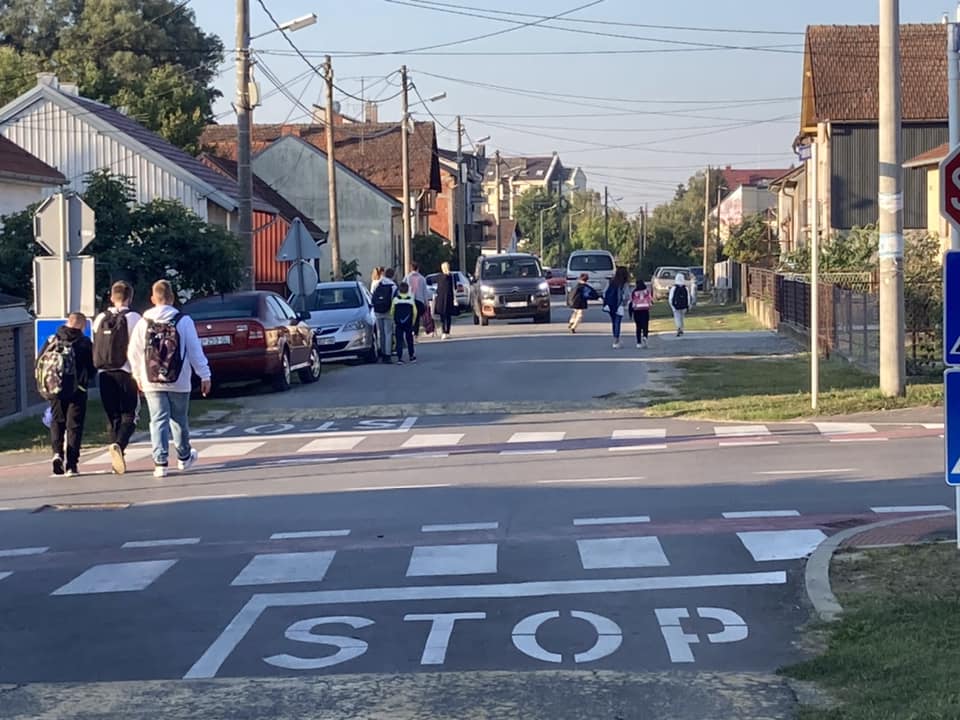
x: 544, y: 287
x: 487, y: 290
x: 355, y: 325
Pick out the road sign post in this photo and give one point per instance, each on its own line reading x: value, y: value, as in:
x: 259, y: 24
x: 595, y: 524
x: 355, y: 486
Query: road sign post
x: 299, y: 248
x: 951, y: 377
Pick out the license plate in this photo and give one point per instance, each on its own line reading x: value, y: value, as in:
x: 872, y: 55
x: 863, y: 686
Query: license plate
x: 327, y: 341
x: 516, y: 304
x: 215, y: 340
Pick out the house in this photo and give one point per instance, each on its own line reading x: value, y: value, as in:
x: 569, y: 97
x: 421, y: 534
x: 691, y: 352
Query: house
x: 269, y: 230
x: 520, y: 174
x: 929, y: 163
x: 509, y: 235
x: 748, y: 194
x: 24, y: 179
x: 370, y: 219
x: 371, y: 150
x: 839, y: 113
x: 791, y: 211
x: 451, y: 206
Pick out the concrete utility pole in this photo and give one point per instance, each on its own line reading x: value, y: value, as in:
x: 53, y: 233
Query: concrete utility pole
x: 953, y: 87
x: 496, y: 161
x: 405, y: 162
x: 890, y: 201
x: 706, y: 224
x: 244, y: 171
x: 606, y: 219
x: 333, y: 234
x: 643, y: 239
x: 815, y: 279
x: 461, y: 202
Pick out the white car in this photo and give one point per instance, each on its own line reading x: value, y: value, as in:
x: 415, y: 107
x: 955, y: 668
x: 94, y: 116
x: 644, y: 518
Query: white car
x: 598, y: 264
x: 664, y: 278
x: 462, y: 290
x: 341, y: 314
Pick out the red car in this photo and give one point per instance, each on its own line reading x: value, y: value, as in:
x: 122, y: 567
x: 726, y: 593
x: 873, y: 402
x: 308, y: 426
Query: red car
x: 253, y: 336
x: 557, y: 280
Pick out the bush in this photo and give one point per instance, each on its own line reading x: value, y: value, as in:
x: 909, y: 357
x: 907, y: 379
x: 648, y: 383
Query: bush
x: 430, y: 251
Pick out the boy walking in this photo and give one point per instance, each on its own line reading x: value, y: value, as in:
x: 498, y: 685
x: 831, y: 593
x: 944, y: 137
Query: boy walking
x: 579, y: 300
x: 383, y: 294
x: 405, y: 316
x: 112, y: 330
x: 679, y: 300
x: 164, y: 349
x: 64, y: 369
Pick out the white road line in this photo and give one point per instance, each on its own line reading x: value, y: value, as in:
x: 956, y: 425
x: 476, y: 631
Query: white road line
x: 727, y: 431
x: 639, y: 434
x: 818, y: 471
x: 395, y: 487
x: 933, y: 426
x: 5, y: 574
x: 574, y: 481
x: 279, y: 568
x: 116, y: 577
x: 858, y: 439
x: 460, y: 527
x: 626, y: 552
x: 844, y: 428
x: 420, y: 456
x: 236, y: 449
x: 636, y: 448
x: 309, y: 534
x: 436, y: 560
x: 433, y: 440
x: 132, y: 454
x: 213, y: 658
x: 625, y: 520
x: 909, y: 509
x: 160, y: 543
x: 332, y: 444
x: 191, y: 498
x: 536, y: 437
x: 740, y: 515
x: 781, y: 544
x: 746, y: 443
x: 529, y: 452
x: 21, y: 552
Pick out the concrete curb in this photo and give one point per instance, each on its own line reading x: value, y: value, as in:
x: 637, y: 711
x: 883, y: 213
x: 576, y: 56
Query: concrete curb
x: 817, y: 570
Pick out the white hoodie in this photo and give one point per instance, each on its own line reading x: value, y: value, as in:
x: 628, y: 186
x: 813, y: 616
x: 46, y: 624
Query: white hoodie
x: 192, y: 351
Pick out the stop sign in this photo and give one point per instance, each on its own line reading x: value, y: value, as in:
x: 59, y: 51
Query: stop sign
x: 950, y: 187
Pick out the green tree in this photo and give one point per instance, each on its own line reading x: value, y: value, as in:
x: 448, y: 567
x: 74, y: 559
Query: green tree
x: 663, y: 248
x: 752, y: 241
x: 17, y: 250
x: 527, y: 214
x: 681, y: 219
x: 430, y: 251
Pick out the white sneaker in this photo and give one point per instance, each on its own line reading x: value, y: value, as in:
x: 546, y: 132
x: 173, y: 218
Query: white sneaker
x: 117, y: 460
x: 639, y: 344
x: 444, y: 336
x: 616, y: 346
x: 159, y: 471
x: 189, y: 462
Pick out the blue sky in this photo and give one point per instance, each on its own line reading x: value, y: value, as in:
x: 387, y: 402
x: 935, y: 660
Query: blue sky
x: 652, y: 117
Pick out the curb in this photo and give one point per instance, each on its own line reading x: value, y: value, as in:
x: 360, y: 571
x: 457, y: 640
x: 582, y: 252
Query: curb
x: 817, y: 570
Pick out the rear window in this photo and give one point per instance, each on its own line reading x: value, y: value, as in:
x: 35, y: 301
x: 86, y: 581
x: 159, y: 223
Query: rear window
x: 225, y: 307
x: 600, y: 262
x: 507, y: 267
x: 329, y: 298
x: 667, y: 274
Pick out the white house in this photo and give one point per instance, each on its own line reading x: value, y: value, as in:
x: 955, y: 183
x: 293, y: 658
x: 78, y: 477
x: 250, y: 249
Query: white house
x: 24, y: 179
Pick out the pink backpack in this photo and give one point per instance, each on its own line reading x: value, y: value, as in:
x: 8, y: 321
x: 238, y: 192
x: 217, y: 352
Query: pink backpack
x: 640, y: 300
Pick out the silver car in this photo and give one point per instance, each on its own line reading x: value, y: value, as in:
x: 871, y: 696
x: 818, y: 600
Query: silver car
x: 462, y: 289
x: 341, y: 314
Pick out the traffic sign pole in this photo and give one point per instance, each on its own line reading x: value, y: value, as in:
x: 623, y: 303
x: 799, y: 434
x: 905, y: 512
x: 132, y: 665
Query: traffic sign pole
x: 951, y: 376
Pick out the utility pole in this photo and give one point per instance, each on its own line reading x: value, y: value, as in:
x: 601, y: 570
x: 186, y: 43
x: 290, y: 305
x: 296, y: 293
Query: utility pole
x: 890, y: 201
x: 405, y: 162
x: 333, y: 234
x: 496, y: 160
x: 244, y: 171
x: 461, y: 202
x: 815, y: 279
x: 606, y: 219
x: 706, y: 224
x: 643, y: 239
x: 716, y: 249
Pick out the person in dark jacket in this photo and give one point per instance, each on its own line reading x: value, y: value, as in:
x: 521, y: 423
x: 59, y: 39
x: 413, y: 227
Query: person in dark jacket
x: 580, y: 298
x: 445, y: 302
x: 69, y: 409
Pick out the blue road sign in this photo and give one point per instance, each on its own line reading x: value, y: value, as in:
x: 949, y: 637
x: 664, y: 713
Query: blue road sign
x: 951, y: 308
x: 951, y: 432
x: 47, y: 327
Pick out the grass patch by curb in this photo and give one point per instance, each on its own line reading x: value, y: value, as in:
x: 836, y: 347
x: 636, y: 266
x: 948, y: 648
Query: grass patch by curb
x: 778, y: 388
x: 895, y: 652
x: 704, y: 317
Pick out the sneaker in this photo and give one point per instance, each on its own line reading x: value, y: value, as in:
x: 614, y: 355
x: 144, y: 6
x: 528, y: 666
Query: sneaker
x: 444, y: 336
x: 616, y: 346
x: 413, y: 359
x: 71, y: 472
x: 117, y: 460
x: 679, y: 333
x: 639, y: 344
x: 57, y: 465
x: 400, y: 361
x: 189, y: 462
x: 159, y: 471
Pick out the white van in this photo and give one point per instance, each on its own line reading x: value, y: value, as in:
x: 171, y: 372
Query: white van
x: 598, y: 264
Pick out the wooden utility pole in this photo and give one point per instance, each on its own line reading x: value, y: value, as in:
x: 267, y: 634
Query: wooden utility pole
x: 496, y: 160
x: 706, y: 224
x: 333, y: 233
x: 244, y: 171
x: 461, y: 202
x: 405, y: 163
x: 606, y: 219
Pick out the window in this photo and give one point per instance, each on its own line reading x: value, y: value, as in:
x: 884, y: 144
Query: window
x: 510, y: 268
x: 599, y: 262
x: 225, y: 307
x: 331, y: 298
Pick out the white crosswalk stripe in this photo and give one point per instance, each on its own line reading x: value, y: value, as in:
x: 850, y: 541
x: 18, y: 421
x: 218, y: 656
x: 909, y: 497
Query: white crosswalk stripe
x: 433, y: 440
x: 160, y: 543
x: 437, y: 560
x: 21, y: 552
x: 644, y: 434
x: 332, y: 444
x: 5, y: 574
x: 303, y: 534
x: 278, y: 568
x: 624, y: 552
x: 232, y: 449
x: 536, y: 437
x: 116, y: 577
x: 741, y: 515
x: 831, y: 429
x: 728, y: 431
x: 766, y: 545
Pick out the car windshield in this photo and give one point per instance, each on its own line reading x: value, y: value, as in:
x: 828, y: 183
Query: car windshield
x: 598, y: 262
x: 510, y: 268
x: 225, y: 307
x: 330, y: 298
x: 667, y: 274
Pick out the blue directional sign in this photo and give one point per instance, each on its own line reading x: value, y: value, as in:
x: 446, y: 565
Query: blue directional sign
x: 47, y: 327
x: 951, y: 308
x: 951, y: 433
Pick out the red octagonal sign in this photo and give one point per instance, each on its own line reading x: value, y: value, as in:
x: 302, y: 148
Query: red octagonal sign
x: 950, y: 187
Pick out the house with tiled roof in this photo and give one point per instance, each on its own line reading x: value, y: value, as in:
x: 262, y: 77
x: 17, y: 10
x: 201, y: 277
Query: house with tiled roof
x: 839, y: 113
x: 466, y: 206
x: 24, y: 179
x: 746, y: 192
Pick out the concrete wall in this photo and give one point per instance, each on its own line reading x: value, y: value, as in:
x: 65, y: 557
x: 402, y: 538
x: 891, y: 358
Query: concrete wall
x: 298, y: 171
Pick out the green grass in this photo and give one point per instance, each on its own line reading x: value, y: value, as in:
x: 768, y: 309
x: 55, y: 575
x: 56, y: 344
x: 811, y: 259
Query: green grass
x: 778, y: 389
x: 704, y: 317
x: 896, y: 650
x: 31, y: 434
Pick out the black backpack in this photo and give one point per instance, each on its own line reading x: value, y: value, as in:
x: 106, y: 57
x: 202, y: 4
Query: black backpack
x: 383, y: 298
x: 110, y: 341
x: 680, y: 299
x: 164, y: 354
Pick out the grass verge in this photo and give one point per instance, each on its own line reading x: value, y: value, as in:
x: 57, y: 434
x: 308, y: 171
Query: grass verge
x: 779, y: 389
x: 704, y: 317
x: 895, y: 652
x: 31, y: 434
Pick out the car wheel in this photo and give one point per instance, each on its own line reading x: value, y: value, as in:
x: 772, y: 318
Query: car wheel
x: 484, y: 320
x: 281, y: 381
x: 541, y: 319
x: 311, y: 373
x: 370, y: 356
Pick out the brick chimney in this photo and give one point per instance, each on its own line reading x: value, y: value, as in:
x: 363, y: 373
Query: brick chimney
x: 371, y: 112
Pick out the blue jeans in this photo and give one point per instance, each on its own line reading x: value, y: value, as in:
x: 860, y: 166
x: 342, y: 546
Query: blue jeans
x: 617, y: 320
x: 168, y: 412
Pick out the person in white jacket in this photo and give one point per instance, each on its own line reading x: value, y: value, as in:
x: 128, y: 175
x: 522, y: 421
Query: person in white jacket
x: 679, y: 301
x: 168, y: 402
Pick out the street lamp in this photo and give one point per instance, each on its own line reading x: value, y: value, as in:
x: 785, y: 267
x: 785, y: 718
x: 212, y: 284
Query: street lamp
x: 546, y: 209
x: 291, y: 25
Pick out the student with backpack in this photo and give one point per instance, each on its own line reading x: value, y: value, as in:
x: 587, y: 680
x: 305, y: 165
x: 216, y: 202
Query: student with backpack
x: 164, y: 352
x: 679, y: 300
x: 615, y: 301
x: 112, y: 330
x: 579, y: 299
x: 405, y: 315
x: 64, y: 369
x: 383, y: 293
x: 640, y: 301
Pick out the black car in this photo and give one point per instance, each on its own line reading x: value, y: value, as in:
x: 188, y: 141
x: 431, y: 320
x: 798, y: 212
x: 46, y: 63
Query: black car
x: 509, y: 287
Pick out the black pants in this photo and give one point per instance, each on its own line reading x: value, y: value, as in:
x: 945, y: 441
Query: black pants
x: 642, y: 320
x: 120, y: 397
x: 445, y: 321
x: 69, y: 413
x: 416, y: 323
x: 404, y: 335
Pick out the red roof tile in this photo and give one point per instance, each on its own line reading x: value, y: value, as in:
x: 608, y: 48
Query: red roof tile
x: 930, y: 157
x: 734, y: 178
x: 16, y: 161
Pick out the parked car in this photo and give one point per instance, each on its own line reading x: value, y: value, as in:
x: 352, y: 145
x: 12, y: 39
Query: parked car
x: 598, y: 264
x: 556, y: 279
x: 510, y: 286
x: 341, y: 315
x: 462, y: 290
x: 255, y: 335
x: 697, y: 272
x: 664, y: 279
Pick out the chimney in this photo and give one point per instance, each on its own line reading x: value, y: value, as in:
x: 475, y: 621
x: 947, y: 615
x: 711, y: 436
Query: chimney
x: 49, y: 79
x: 70, y: 89
x: 370, y: 112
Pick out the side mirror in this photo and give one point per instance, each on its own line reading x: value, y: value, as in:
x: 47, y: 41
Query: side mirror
x: 303, y: 316
x: 548, y: 275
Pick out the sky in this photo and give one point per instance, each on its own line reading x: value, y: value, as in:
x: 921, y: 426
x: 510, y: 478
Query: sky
x: 639, y: 114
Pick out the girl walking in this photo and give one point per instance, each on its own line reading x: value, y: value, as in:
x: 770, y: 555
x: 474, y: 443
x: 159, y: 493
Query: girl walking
x: 679, y: 300
x: 615, y: 301
x: 640, y: 301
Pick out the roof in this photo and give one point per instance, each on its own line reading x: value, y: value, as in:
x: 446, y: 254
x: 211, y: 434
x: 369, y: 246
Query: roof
x: 930, y: 157
x: 262, y: 190
x: 525, y: 168
x: 734, y: 178
x: 789, y: 175
x: 372, y: 150
x: 841, y: 73
x: 17, y: 163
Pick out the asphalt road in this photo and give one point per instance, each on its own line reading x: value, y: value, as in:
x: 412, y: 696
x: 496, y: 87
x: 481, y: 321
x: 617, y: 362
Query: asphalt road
x: 566, y: 566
